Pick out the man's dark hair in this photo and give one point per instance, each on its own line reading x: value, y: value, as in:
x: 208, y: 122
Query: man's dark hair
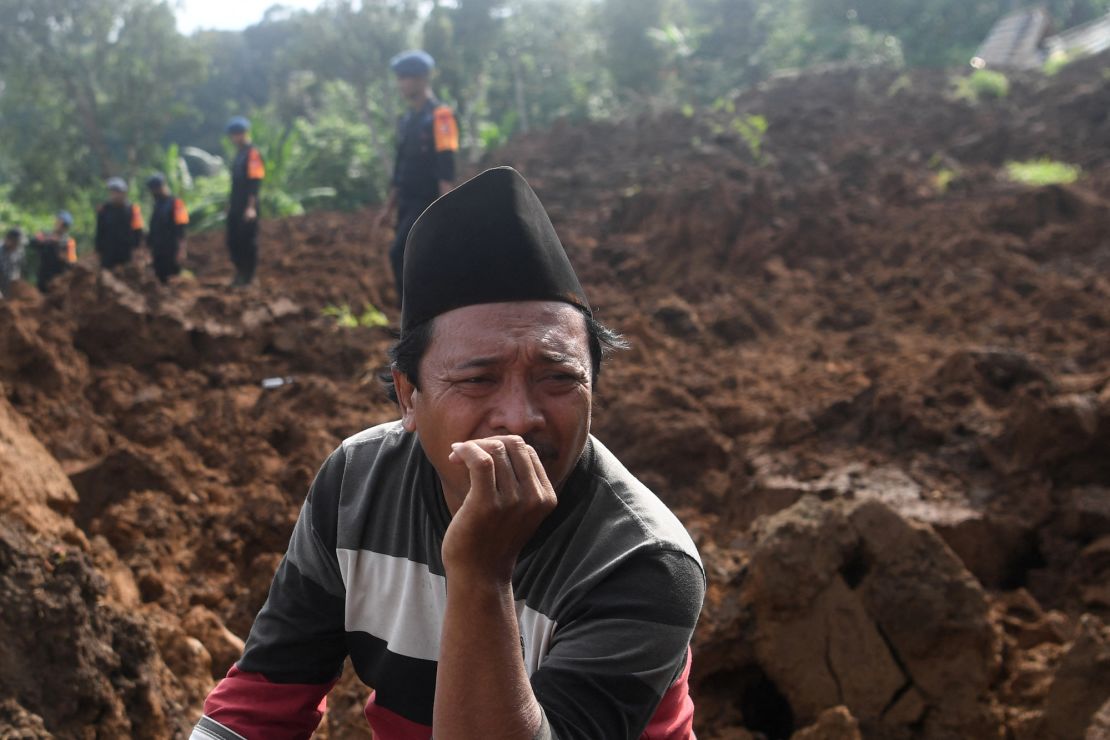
x: 407, y: 352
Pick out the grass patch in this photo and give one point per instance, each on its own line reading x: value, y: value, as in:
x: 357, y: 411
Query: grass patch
x: 942, y: 179
x: 982, y: 84
x: 348, y: 319
x: 1057, y: 61
x: 1040, y: 172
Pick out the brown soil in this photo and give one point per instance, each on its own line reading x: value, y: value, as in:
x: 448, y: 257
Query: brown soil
x: 882, y: 410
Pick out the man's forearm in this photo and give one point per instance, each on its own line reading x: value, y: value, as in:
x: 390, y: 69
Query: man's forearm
x: 482, y: 688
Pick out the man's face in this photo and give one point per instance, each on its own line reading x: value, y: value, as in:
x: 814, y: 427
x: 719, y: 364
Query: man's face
x: 238, y: 138
x: 412, y: 88
x: 11, y: 242
x: 117, y: 197
x: 501, y: 369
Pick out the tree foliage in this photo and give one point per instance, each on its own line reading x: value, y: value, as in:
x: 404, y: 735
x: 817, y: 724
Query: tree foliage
x: 91, y: 88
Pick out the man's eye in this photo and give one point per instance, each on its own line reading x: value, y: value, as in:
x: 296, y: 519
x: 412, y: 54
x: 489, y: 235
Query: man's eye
x: 564, y: 377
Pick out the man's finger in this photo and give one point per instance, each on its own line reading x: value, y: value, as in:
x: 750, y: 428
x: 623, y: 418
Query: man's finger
x: 514, y: 450
x: 540, y: 473
x: 520, y: 455
x: 507, y: 488
x: 479, y: 464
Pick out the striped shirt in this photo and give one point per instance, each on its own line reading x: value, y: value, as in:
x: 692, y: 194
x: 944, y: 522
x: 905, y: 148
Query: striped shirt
x: 607, y: 594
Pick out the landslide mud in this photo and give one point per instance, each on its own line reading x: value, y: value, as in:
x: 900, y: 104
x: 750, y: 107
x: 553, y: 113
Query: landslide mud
x: 881, y: 407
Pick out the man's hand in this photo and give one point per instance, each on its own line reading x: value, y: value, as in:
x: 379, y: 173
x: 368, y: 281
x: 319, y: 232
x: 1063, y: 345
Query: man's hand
x: 250, y: 214
x: 509, y: 497
x: 482, y: 688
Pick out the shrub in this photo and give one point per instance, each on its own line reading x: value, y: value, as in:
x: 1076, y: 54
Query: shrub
x: 982, y: 84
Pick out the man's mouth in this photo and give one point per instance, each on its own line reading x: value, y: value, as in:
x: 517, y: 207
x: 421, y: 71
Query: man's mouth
x: 546, y: 451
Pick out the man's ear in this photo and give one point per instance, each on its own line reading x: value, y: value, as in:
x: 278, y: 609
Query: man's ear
x: 405, y: 392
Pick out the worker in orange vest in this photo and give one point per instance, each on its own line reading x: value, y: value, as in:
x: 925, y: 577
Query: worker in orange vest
x: 56, y: 250
x: 168, y: 219
x: 119, y: 226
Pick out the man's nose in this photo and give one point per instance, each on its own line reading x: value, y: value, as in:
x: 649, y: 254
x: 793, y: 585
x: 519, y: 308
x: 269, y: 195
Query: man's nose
x: 517, y: 411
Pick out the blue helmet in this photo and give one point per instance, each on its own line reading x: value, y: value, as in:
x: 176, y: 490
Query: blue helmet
x: 118, y: 184
x: 415, y: 63
x: 156, y: 181
x: 238, y: 125
x: 66, y: 218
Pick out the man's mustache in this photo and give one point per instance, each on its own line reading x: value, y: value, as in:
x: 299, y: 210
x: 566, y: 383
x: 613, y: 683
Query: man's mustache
x: 547, y: 452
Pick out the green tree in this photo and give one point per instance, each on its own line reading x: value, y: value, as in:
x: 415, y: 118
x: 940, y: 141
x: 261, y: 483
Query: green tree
x: 549, y: 64
x: 633, y: 58
x: 464, y: 37
x: 89, y: 87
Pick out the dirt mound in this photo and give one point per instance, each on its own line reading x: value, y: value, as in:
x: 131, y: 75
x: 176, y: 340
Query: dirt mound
x: 881, y: 405
x: 86, y: 664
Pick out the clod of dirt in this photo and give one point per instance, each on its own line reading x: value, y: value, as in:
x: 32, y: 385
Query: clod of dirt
x: 833, y: 724
x: 1082, y: 683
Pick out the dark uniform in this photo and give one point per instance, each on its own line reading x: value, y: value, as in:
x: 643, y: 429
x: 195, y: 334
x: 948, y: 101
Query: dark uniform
x: 247, y: 172
x: 119, y: 230
x: 56, y: 252
x: 427, y: 140
x: 168, y: 220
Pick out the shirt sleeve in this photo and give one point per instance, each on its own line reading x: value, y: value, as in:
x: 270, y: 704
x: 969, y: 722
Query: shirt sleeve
x: 137, y: 225
x: 180, y: 218
x: 446, y: 135
x: 295, y: 651
x: 623, y: 649
x: 256, y: 168
x: 256, y: 172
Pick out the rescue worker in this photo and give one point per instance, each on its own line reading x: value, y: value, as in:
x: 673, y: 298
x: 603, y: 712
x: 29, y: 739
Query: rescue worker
x: 56, y: 251
x: 166, y: 239
x: 427, y: 139
x: 247, y: 173
x: 11, y: 260
x: 119, y: 226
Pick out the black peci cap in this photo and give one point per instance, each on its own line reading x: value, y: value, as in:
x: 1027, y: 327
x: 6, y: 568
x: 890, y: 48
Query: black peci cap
x: 487, y: 241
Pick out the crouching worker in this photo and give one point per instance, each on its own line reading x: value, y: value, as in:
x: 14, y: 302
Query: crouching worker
x: 492, y: 570
x: 166, y: 238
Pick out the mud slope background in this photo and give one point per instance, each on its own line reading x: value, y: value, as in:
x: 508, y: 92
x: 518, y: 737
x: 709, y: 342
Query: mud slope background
x: 881, y: 406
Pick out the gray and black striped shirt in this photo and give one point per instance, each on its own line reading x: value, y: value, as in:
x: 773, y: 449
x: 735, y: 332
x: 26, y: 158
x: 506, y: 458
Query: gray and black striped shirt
x: 607, y: 591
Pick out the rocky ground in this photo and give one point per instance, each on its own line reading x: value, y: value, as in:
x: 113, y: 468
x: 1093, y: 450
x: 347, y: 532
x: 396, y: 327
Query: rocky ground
x: 882, y: 407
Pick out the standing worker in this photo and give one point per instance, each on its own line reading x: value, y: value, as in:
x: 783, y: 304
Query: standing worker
x: 56, y: 250
x: 119, y: 226
x: 168, y: 220
x: 11, y: 260
x: 427, y: 139
x: 247, y: 172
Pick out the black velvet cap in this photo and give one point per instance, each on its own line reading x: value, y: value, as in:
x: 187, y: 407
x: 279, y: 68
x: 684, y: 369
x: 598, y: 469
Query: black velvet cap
x: 487, y: 241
